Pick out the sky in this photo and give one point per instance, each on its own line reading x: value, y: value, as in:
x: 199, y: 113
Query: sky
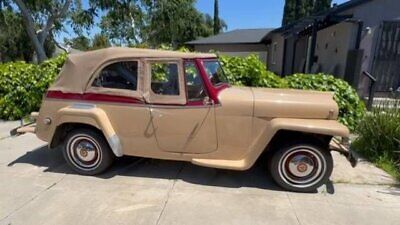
x: 236, y: 13
x: 248, y: 13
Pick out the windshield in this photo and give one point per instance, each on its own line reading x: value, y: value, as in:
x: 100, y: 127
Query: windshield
x: 214, y: 72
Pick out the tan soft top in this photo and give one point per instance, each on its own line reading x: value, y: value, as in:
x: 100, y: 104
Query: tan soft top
x: 79, y: 67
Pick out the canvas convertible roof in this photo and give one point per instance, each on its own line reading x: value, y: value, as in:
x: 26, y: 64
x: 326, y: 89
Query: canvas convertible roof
x: 79, y: 68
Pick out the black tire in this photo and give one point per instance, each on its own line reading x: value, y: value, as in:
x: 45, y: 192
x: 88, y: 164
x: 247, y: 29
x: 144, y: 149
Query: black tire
x: 301, y: 166
x: 87, y: 152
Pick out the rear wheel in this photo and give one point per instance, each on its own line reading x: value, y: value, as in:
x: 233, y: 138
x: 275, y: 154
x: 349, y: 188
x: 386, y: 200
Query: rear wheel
x: 87, y: 152
x: 301, y: 167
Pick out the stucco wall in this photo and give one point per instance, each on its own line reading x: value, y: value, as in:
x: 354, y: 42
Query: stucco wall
x: 372, y: 14
x: 333, y: 44
x: 241, y: 50
x: 275, y: 65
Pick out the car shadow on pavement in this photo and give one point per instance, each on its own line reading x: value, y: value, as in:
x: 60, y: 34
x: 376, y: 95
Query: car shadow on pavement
x: 257, y: 176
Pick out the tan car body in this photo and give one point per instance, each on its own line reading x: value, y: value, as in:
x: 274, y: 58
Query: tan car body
x: 230, y: 134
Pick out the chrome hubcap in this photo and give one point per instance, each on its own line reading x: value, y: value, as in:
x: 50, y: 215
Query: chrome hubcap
x: 84, y: 152
x: 302, y: 167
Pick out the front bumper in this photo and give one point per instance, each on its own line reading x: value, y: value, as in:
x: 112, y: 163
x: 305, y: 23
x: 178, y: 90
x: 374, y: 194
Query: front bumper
x: 343, y: 147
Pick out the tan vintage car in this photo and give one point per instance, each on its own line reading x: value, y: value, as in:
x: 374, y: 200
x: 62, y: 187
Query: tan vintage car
x: 178, y: 106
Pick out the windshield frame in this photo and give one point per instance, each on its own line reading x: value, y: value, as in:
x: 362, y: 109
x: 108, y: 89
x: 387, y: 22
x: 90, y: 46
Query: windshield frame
x: 224, y: 81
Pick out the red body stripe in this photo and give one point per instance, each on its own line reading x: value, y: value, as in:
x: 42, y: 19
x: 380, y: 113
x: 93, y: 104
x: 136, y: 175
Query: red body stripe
x: 93, y: 97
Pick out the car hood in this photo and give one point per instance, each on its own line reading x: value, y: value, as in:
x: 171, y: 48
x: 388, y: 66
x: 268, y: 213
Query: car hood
x: 289, y: 103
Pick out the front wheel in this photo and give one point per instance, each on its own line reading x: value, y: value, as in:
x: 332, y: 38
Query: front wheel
x: 87, y: 152
x: 301, y: 167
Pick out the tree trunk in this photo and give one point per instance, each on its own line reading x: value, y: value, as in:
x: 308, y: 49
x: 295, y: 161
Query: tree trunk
x: 30, y: 29
x: 38, y: 38
x: 217, y: 25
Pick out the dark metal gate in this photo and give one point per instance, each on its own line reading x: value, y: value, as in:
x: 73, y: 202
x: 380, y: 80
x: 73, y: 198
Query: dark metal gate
x: 386, y: 66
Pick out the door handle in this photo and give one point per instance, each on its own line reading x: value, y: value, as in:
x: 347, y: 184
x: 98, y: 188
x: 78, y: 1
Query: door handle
x: 155, y: 112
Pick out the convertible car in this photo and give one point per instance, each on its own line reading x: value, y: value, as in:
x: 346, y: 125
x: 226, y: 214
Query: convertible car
x: 179, y: 106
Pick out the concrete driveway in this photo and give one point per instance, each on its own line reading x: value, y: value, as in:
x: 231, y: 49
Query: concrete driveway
x: 37, y: 187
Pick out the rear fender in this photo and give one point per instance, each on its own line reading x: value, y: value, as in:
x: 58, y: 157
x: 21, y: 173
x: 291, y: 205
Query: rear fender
x: 91, y: 115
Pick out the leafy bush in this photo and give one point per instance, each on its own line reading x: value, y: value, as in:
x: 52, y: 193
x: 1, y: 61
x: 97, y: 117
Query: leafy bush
x: 249, y: 71
x: 379, y: 137
x: 351, y: 108
x: 22, y: 86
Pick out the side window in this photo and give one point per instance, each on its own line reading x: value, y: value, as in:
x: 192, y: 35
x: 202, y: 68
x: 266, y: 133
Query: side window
x: 194, y: 83
x: 164, y: 78
x: 119, y: 75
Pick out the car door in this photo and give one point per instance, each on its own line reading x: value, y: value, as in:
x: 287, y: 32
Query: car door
x: 182, y: 123
x: 117, y: 88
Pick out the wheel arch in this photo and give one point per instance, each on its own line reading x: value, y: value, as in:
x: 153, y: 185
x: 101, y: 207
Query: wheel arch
x: 283, y: 136
x: 277, y: 130
x: 89, y: 117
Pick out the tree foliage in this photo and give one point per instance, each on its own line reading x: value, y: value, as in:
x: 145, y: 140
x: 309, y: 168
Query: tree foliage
x: 84, y: 43
x: 176, y: 22
x: 100, y: 41
x: 123, y: 21
x: 148, y: 23
x: 80, y: 42
x: 297, y: 9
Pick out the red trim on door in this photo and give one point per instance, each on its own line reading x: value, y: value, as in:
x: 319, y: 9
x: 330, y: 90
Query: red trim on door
x: 213, y: 92
x: 93, y: 97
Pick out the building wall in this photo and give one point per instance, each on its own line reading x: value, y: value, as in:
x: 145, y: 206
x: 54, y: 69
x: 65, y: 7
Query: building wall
x: 333, y: 44
x: 372, y: 14
x: 301, y: 54
x: 241, y: 50
x: 275, y: 56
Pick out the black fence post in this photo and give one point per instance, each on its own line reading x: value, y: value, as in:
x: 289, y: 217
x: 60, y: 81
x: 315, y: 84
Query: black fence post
x: 371, y: 93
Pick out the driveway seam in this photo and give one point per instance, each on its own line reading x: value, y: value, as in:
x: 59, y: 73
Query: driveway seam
x: 294, y: 210
x: 169, y: 193
x: 33, y: 198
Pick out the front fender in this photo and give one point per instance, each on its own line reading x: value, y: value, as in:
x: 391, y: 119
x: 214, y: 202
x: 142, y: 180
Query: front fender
x: 90, y: 115
x: 325, y: 127
x: 312, y: 126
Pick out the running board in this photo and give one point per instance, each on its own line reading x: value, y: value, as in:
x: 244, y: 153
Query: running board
x: 222, y: 164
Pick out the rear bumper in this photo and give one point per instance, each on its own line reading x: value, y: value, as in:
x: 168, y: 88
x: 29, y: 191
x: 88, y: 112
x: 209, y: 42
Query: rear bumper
x: 344, y: 148
x: 29, y: 127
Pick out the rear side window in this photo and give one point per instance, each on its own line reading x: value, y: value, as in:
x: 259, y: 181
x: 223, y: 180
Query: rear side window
x: 119, y: 75
x: 164, y: 78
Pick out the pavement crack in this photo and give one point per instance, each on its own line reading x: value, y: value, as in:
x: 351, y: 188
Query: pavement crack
x: 294, y: 210
x: 5, y: 137
x: 33, y: 198
x: 169, y: 193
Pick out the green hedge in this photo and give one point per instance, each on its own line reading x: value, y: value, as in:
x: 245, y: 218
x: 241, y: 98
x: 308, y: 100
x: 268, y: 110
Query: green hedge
x: 351, y: 107
x: 249, y: 71
x: 22, y: 86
